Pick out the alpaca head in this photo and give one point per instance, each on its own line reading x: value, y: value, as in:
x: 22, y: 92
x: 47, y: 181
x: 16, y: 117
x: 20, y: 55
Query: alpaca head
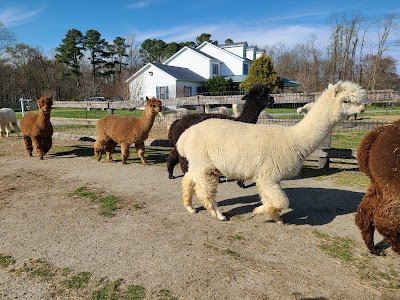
x: 348, y: 97
x: 154, y: 105
x: 44, y: 104
x: 259, y: 93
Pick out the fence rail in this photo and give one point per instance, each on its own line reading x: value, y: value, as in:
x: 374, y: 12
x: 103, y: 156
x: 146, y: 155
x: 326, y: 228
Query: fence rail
x: 385, y: 96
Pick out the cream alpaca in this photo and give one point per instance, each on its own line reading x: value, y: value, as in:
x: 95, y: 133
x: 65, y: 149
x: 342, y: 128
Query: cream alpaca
x: 174, y: 113
x: 7, y: 117
x: 216, y: 110
x: 273, y: 152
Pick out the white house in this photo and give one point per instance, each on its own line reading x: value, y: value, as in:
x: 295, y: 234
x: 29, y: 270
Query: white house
x: 184, y: 73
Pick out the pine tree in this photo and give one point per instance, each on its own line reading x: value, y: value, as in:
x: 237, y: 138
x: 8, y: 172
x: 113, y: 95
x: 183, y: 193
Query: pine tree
x: 261, y: 72
x: 69, y: 54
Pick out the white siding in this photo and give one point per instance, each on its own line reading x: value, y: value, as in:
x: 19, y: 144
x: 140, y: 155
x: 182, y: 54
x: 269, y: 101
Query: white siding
x: 259, y: 53
x: 193, y: 61
x: 251, y: 53
x: 232, y: 65
x: 238, y: 50
x: 145, y: 85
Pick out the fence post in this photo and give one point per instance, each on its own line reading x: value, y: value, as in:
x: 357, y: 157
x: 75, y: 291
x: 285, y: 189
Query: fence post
x: 323, y: 161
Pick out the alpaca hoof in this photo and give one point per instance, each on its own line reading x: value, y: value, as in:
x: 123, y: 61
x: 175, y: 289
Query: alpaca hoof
x: 191, y: 210
x: 222, y: 218
x: 170, y: 176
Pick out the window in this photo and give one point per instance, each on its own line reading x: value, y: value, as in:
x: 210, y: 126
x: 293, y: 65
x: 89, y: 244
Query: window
x: 215, y: 69
x: 187, y: 91
x: 245, y: 69
x: 162, y: 92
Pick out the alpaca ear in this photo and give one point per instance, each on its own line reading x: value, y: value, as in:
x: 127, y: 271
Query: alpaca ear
x: 147, y: 98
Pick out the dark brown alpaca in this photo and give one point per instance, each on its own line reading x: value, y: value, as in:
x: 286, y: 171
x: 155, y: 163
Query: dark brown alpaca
x: 378, y: 156
x: 113, y: 129
x: 36, y: 128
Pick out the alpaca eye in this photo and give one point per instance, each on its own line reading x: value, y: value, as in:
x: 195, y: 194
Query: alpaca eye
x: 346, y: 101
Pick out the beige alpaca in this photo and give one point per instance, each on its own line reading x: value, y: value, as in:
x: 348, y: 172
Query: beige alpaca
x: 37, y: 129
x: 266, y: 154
x: 125, y: 131
x: 7, y: 117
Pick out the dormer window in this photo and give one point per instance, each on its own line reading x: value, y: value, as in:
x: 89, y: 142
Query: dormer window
x: 215, y: 69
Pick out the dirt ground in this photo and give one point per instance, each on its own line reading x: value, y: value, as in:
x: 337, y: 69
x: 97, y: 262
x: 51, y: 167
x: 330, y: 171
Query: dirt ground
x: 153, y: 242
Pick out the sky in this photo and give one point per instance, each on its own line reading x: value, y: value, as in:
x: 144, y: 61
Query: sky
x: 44, y: 23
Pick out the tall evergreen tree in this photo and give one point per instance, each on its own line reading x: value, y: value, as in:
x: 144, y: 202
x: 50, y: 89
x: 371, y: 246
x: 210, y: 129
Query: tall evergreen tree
x: 69, y: 54
x: 261, y: 71
x: 97, y: 53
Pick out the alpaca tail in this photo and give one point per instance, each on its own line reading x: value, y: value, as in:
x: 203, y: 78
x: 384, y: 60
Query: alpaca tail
x: 364, y: 149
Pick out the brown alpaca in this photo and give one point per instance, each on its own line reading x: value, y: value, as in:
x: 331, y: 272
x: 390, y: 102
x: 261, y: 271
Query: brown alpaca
x: 37, y: 129
x: 378, y: 156
x: 112, y: 129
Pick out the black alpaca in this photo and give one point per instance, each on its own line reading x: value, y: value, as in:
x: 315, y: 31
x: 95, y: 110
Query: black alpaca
x: 257, y: 99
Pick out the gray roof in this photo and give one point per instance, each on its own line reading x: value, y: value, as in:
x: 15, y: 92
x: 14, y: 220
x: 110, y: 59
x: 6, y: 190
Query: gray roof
x: 205, y: 54
x: 183, y: 74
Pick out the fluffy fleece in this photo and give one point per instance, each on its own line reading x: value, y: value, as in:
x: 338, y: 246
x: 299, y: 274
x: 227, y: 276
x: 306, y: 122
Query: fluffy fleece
x: 217, y: 110
x: 174, y: 113
x: 378, y: 156
x: 7, y: 117
x: 112, y: 130
x: 257, y: 99
x: 264, y: 153
x: 37, y: 129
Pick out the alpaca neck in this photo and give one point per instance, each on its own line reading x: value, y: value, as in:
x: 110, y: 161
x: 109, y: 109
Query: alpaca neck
x: 43, y: 119
x: 147, y: 119
x: 250, y: 112
x: 313, y: 128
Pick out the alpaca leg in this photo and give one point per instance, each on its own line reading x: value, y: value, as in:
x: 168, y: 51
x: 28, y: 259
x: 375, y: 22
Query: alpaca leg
x: 187, y: 193
x: 140, y: 151
x: 16, y: 128
x: 110, y: 148
x: 47, y: 142
x: 2, y: 130
x: 98, y: 145
x: 28, y: 144
x: 8, y: 129
x: 37, y: 144
x: 124, y: 152
x: 172, y: 161
x: 206, y: 191
x: 274, y: 201
x: 364, y: 221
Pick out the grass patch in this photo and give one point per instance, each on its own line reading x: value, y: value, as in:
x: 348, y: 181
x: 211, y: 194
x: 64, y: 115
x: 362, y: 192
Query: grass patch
x: 345, y: 250
x: 164, y: 294
x: 6, y: 260
x: 347, y: 139
x: 108, y: 204
x: 340, y: 174
x: 78, y: 281
x: 337, y: 247
x: 236, y: 237
x: 136, y: 292
x: 109, y: 290
x: 39, y: 268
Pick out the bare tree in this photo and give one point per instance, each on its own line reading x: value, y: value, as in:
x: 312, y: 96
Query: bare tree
x: 385, y: 26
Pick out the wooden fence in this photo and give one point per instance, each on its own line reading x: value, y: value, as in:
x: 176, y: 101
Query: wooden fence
x: 384, y: 96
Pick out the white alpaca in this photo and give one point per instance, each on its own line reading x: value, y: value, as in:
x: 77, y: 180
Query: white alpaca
x: 305, y: 108
x: 7, y: 117
x: 174, y: 113
x: 266, y: 154
x: 237, y: 109
x: 217, y: 110
x: 265, y: 115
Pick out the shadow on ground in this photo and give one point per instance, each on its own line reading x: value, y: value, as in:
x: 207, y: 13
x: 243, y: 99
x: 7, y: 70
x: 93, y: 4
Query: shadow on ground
x: 312, y: 206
